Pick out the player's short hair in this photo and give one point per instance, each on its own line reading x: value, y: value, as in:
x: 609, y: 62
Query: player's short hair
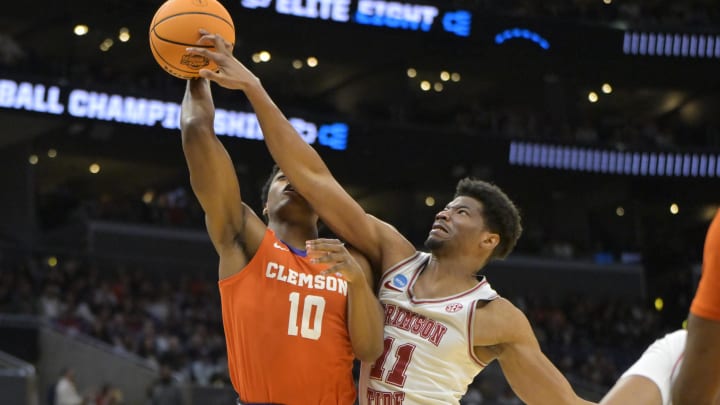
x: 499, y: 212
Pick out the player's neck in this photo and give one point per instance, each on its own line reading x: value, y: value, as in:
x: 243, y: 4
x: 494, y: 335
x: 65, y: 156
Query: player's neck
x: 294, y: 234
x: 459, y: 269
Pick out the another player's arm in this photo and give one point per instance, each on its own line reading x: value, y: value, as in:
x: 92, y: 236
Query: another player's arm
x: 697, y: 381
x: 215, y: 183
x: 380, y: 243
x: 365, y: 315
x: 633, y: 389
x: 531, y: 375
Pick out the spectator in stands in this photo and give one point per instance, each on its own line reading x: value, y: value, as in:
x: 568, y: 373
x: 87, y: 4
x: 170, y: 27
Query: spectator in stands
x: 108, y: 395
x: 66, y: 392
x: 164, y: 390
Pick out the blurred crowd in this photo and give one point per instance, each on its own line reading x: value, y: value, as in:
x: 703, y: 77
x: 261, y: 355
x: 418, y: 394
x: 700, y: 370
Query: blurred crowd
x: 176, y: 323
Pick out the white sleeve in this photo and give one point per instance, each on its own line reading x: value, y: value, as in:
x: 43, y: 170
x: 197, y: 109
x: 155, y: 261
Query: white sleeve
x: 660, y: 362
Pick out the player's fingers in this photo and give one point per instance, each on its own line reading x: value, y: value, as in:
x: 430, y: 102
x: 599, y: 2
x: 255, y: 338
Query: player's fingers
x: 324, y: 241
x: 209, y: 74
x: 336, y: 270
x: 204, y: 52
x: 330, y: 258
x: 328, y: 245
x: 218, y: 42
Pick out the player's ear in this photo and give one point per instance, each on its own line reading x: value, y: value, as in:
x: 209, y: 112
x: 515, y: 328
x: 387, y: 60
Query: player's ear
x: 490, y: 240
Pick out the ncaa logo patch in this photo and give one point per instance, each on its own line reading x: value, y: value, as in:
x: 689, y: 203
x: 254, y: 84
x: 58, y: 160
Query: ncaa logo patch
x: 400, y: 281
x: 454, y: 307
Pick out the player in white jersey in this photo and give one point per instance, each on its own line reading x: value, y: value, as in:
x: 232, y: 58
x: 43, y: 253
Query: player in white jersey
x: 649, y: 381
x: 684, y: 366
x: 478, y: 225
x: 435, y: 333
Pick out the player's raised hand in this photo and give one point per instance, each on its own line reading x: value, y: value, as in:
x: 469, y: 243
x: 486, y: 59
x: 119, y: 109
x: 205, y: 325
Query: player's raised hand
x: 333, y: 253
x: 231, y: 74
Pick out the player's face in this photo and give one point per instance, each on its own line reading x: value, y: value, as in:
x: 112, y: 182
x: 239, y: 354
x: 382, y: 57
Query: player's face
x: 460, y: 224
x: 282, y: 196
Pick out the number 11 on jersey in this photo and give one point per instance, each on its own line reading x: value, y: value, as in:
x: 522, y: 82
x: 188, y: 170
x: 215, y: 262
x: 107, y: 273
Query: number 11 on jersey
x: 308, y: 330
x: 403, y: 355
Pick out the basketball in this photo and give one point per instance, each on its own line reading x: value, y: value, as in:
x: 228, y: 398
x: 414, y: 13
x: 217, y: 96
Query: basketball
x: 175, y: 27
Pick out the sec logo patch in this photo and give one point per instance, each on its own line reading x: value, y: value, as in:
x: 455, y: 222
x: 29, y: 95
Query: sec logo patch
x: 454, y: 307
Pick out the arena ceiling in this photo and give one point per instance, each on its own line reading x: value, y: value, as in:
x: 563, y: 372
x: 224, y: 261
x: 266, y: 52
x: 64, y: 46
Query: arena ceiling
x: 361, y: 78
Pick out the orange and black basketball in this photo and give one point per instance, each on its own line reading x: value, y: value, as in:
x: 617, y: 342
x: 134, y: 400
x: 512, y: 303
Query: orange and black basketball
x: 175, y: 27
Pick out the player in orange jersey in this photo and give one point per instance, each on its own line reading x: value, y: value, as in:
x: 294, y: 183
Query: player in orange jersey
x: 296, y: 309
x: 699, y: 379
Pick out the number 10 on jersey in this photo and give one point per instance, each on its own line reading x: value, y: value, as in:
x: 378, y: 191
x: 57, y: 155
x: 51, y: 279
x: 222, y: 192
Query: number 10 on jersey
x: 313, y: 307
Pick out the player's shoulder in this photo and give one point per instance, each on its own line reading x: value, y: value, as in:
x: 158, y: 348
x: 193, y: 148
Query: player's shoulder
x: 499, y: 322
x: 502, y: 314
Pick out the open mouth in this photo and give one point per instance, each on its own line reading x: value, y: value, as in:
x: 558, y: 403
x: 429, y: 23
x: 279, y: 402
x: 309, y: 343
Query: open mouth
x: 289, y: 188
x: 439, y: 226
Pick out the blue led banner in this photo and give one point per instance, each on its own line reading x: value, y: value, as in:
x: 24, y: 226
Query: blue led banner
x: 378, y: 13
x: 80, y: 103
x: 687, y: 45
x: 594, y: 160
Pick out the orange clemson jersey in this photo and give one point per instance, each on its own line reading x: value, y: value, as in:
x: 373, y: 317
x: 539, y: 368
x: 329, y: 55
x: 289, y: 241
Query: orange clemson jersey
x: 707, y: 298
x: 286, y: 330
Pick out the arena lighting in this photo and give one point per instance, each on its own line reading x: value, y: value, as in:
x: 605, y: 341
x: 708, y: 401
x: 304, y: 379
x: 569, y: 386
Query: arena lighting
x: 81, y: 29
x: 80, y: 103
x: 671, y: 44
x: 674, y: 208
x: 124, y: 34
x: 593, y: 160
x: 106, y: 44
x: 522, y: 34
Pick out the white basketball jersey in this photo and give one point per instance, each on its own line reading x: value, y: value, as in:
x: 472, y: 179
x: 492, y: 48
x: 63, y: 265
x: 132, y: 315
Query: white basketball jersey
x: 660, y: 363
x: 428, y: 357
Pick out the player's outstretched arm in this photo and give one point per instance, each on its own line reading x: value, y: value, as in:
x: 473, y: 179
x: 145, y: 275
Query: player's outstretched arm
x: 304, y: 167
x: 215, y: 183
x: 531, y: 375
